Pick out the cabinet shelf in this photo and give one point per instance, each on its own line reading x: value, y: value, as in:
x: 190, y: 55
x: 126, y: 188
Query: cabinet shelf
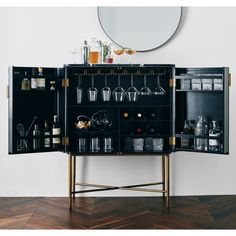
x: 194, y: 150
x: 197, y: 136
x: 117, y: 104
x: 144, y: 120
x: 200, y: 91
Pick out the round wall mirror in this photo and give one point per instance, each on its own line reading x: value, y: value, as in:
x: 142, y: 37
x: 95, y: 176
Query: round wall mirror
x: 139, y: 28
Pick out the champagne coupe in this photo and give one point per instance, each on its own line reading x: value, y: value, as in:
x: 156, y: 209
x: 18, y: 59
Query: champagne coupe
x: 132, y: 93
x: 145, y: 90
x: 75, y: 52
x: 158, y: 90
x: 106, y: 92
x: 119, y: 92
x: 118, y: 51
x: 130, y: 52
x: 92, y: 92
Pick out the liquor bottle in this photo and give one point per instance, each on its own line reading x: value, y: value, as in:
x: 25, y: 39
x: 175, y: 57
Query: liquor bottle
x: 36, y: 137
x: 46, y: 134
x: 34, y: 83
x: 192, y: 125
x: 150, y: 129
x: 206, y: 132
x: 199, y: 143
x: 25, y: 83
x: 185, y: 142
x: 41, y: 81
x: 85, y: 53
x: 56, y: 132
x: 139, y: 115
x: 214, y: 144
x: 109, y: 57
x: 125, y: 115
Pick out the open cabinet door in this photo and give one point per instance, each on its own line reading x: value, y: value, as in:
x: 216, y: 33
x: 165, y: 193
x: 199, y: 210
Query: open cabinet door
x: 202, y: 110
x: 35, y: 96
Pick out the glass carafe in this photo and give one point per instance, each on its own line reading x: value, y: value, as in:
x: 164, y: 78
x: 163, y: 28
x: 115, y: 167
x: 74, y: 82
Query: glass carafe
x: 94, y: 52
x: 199, y: 143
x: 214, y: 144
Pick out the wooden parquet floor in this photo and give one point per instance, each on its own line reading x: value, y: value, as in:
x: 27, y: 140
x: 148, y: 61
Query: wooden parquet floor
x: 202, y: 212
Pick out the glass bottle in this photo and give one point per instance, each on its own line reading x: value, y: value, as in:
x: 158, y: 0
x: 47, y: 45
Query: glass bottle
x: 199, y: 143
x: 109, y: 57
x: 56, y: 132
x: 41, y: 81
x: 25, y: 83
x: 94, y: 52
x: 85, y: 52
x: 46, y: 134
x: 100, y: 60
x: 214, y: 144
x: 36, y: 137
x: 184, y: 140
x: 34, y: 84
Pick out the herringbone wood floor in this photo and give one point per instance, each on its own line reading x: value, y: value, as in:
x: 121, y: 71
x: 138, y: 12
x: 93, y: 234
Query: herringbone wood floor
x: 203, y: 212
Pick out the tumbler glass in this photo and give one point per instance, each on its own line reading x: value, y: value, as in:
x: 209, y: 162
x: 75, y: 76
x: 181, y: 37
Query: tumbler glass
x: 157, y: 144
x: 107, y: 144
x: 95, y: 144
x: 138, y: 144
x: 82, y: 144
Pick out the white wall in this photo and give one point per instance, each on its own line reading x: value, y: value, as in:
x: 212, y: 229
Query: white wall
x: 44, y: 36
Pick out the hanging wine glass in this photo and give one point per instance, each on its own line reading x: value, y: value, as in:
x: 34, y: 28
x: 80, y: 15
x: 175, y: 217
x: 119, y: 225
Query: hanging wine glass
x: 92, y: 92
x: 106, y: 92
x: 158, y: 90
x: 132, y: 93
x: 145, y: 90
x: 119, y: 92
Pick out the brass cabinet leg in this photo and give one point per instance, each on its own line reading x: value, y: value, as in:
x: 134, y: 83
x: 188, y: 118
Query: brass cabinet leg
x: 74, y: 175
x: 70, y: 181
x: 163, y: 176
x: 167, y: 180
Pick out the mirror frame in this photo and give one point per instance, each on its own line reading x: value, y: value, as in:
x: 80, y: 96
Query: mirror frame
x: 147, y: 50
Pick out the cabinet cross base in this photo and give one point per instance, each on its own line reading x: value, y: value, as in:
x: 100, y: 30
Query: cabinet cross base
x: 99, y: 187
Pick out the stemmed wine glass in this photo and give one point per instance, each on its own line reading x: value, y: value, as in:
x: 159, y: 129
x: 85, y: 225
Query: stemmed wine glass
x: 158, y: 90
x: 145, y: 90
x: 130, y: 52
x: 106, y: 92
x: 119, y: 92
x: 132, y: 93
x: 118, y: 51
x: 92, y: 92
x: 75, y: 52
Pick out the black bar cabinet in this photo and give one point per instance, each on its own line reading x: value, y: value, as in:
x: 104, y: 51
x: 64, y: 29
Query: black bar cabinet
x: 130, y: 110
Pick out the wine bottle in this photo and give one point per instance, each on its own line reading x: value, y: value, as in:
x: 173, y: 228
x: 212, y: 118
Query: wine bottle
x: 152, y: 115
x: 139, y: 115
x: 150, y: 129
x: 56, y: 132
x: 46, y: 134
x: 34, y: 83
x: 125, y: 115
x: 138, y: 130
x: 36, y: 137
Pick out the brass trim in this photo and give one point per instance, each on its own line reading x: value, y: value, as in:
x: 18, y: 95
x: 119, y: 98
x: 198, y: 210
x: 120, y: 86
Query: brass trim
x: 65, y: 83
x: 230, y: 80
x: 163, y: 176
x: 172, y: 141
x: 70, y: 181
x: 172, y: 82
x: 143, y: 190
x: 65, y: 141
x: 167, y: 180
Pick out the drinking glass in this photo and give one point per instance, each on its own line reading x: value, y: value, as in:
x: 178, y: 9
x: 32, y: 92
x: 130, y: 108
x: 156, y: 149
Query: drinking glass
x: 92, y: 92
x: 75, y: 52
x: 82, y: 144
x: 138, y: 144
x: 157, y: 144
x: 132, y: 93
x: 145, y: 90
x: 119, y: 92
x: 158, y: 90
x: 107, y: 144
x: 118, y: 51
x: 95, y: 144
x: 106, y: 92
x: 130, y: 52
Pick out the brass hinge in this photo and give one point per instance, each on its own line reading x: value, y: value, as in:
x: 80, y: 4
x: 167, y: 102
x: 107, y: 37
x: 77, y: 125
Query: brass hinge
x: 65, y: 141
x: 172, y: 82
x: 230, y: 81
x: 172, y: 141
x: 65, y: 83
x: 7, y: 94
